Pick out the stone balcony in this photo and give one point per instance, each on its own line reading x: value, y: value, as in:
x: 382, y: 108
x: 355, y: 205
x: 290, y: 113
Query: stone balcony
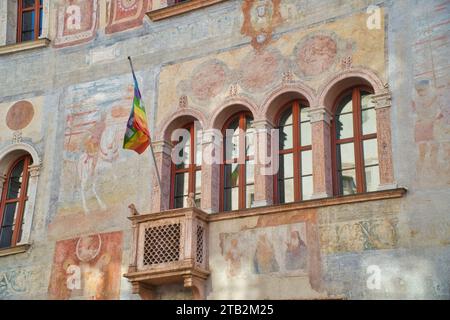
x: 169, y: 247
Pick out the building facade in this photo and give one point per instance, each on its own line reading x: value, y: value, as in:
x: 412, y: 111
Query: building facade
x: 348, y: 100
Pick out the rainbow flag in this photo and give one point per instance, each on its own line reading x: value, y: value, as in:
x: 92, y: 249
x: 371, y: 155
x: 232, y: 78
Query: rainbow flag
x: 137, y: 136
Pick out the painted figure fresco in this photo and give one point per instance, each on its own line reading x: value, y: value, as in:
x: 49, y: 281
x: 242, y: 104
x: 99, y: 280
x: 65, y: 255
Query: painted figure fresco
x: 233, y: 256
x: 254, y: 251
x: 264, y: 260
x: 96, y: 119
x: 87, y: 267
x: 296, y: 252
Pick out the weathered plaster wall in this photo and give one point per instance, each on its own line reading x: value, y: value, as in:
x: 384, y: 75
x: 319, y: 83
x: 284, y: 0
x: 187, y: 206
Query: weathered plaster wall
x: 80, y: 91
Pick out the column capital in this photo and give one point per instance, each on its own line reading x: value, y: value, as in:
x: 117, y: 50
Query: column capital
x: 35, y: 170
x: 320, y: 113
x: 262, y: 124
x: 162, y: 146
x: 382, y: 99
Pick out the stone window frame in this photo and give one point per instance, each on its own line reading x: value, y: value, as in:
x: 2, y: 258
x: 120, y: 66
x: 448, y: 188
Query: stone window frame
x: 8, y: 156
x: 8, y: 25
x: 321, y: 104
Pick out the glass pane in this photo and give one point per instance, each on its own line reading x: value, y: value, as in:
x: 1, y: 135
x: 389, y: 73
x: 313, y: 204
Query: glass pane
x: 249, y: 196
x: 286, y: 169
x: 346, y: 105
x: 198, y: 147
x: 184, y: 153
x: 369, y: 122
x: 370, y: 148
x: 198, y: 182
x: 232, y: 140
x: 286, y: 118
x: 7, y: 228
x: 286, y: 137
x: 231, y: 175
x: 27, y: 36
x: 28, y: 3
x: 19, y: 238
x: 40, y: 21
x: 181, y: 184
x: 346, y: 156
x: 305, y: 133
x: 250, y: 172
x: 366, y: 101
x: 307, y: 187
x: 344, y: 126
x: 286, y: 190
x: 347, y: 181
x: 372, y: 178
x: 15, y: 181
x: 231, y: 199
x: 250, y: 138
x: 306, y: 163
x: 28, y: 21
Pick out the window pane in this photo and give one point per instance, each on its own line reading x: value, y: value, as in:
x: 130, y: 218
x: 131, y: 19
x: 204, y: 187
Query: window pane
x: 347, y: 181
x: 346, y: 105
x: 369, y: 122
x: 305, y: 133
x: 286, y: 169
x: 7, y: 228
x: 231, y: 175
x: 306, y: 163
x: 198, y: 182
x: 40, y: 21
x: 307, y: 187
x: 28, y: 3
x: 15, y: 181
x: 344, y: 126
x: 250, y: 138
x: 250, y: 172
x: 366, y: 101
x: 198, y: 147
x: 286, y: 190
x: 346, y: 156
x: 231, y: 199
x: 28, y: 21
x: 184, y: 151
x: 286, y: 137
x: 232, y: 140
x: 249, y: 196
x: 180, y: 202
x: 181, y: 184
x: 372, y: 178
x: 27, y: 36
x: 370, y: 148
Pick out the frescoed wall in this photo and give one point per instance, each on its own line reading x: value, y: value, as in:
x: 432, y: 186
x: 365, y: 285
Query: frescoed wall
x: 70, y: 103
x: 87, y: 267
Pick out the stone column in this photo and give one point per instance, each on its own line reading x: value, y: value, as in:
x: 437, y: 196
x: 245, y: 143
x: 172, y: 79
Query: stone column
x: 27, y: 221
x: 212, y: 148
x: 382, y: 103
x: 321, y: 152
x: 161, y: 194
x: 263, y: 181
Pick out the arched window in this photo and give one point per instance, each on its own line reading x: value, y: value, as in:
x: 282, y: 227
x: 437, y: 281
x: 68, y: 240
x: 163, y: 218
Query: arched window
x: 237, y: 170
x: 186, y: 175
x: 355, y: 143
x: 294, y: 181
x: 13, y: 202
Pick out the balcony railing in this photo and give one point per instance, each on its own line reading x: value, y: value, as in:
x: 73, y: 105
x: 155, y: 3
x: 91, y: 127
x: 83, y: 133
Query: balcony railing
x: 169, y: 247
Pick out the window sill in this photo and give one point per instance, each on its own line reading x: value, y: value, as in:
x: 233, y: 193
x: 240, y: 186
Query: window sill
x: 180, y: 8
x: 21, y: 248
x: 23, y: 46
x: 309, y: 204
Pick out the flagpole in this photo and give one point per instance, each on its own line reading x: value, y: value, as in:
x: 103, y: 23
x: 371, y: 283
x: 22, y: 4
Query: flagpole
x: 155, y: 166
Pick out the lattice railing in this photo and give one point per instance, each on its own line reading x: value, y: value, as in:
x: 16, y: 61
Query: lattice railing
x: 162, y: 244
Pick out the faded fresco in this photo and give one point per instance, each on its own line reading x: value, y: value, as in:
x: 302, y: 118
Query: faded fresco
x: 430, y: 95
x: 87, y: 267
x: 126, y: 14
x: 309, y: 56
x: 257, y: 251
